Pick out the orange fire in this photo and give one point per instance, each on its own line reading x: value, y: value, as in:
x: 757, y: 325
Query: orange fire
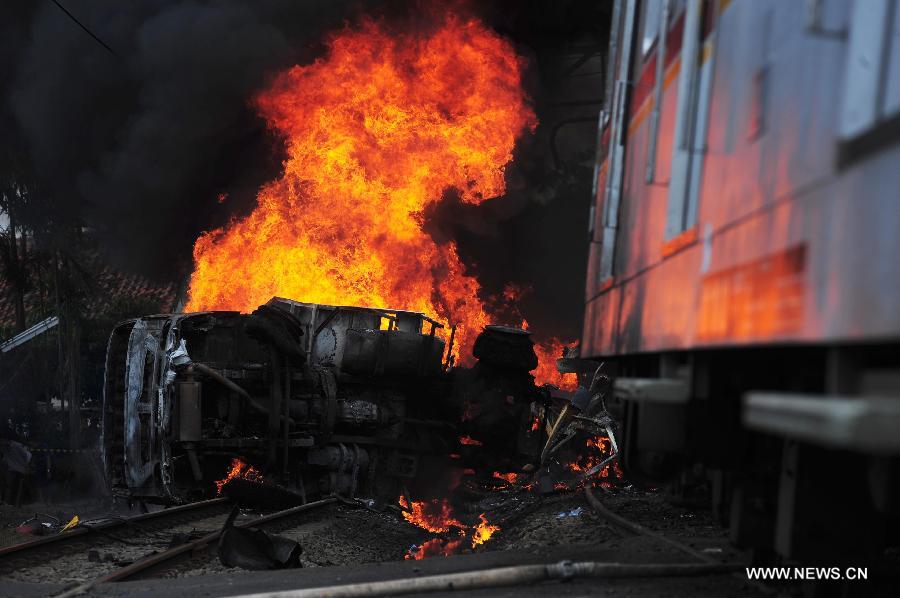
x: 469, y: 441
x: 483, y: 531
x: 509, y: 478
x: 596, y: 450
x: 239, y: 469
x: 546, y: 372
x: 435, y: 516
x: 375, y: 132
x: 434, y: 547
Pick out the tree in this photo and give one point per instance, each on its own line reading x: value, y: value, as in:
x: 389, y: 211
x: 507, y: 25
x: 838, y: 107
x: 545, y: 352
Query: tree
x: 14, y: 239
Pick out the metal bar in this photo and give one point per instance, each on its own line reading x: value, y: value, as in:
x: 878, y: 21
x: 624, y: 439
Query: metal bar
x: 450, y: 346
x: 218, y: 377
x: 25, y: 336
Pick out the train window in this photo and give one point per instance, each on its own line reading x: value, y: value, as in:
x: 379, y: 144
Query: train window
x: 650, y: 25
x: 872, y: 76
x: 659, y: 75
x: 892, y: 86
x: 689, y: 144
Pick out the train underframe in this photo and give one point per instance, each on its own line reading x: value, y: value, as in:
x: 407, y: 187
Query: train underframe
x: 793, y: 446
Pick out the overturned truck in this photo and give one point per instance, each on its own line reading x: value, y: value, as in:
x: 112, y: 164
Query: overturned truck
x: 322, y: 399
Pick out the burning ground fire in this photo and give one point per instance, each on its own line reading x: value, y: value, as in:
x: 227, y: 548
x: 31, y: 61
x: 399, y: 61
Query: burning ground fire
x: 594, y: 452
x: 375, y: 132
x: 239, y: 469
x: 437, y: 517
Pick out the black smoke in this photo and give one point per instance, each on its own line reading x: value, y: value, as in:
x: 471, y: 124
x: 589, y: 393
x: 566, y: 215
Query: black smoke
x: 141, y: 142
x: 535, y: 237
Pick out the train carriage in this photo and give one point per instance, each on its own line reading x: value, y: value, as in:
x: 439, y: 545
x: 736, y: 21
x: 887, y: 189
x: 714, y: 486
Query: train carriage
x: 743, y: 279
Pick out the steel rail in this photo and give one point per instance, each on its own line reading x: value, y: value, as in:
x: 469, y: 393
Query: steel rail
x: 82, y: 535
x: 162, y: 560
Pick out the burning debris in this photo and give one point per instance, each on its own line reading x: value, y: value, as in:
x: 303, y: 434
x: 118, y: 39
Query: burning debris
x: 310, y: 401
x: 239, y: 470
x: 318, y: 399
x: 436, y: 517
x: 483, y: 531
x: 586, y: 418
x: 329, y: 396
x: 435, y: 547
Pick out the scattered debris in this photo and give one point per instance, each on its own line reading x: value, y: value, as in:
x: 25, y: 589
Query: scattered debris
x: 72, y: 523
x: 256, y: 549
x: 40, y: 524
x: 576, y: 512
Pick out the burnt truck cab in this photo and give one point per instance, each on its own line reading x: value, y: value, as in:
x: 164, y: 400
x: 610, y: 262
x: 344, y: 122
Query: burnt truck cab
x: 324, y: 399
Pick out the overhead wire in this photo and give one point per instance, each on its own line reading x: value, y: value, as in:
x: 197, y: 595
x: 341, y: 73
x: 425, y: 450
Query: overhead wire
x: 84, y: 28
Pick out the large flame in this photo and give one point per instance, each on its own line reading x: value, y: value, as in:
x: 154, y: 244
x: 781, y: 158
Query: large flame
x: 375, y: 132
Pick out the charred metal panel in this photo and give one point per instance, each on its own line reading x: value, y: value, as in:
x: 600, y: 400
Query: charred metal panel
x: 189, y: 412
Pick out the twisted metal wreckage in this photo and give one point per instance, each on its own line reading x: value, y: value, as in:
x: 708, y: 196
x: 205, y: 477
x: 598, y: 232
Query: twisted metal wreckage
x: 326, y: 400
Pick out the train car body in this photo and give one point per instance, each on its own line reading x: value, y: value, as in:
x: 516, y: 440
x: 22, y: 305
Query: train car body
x: 744, y: 243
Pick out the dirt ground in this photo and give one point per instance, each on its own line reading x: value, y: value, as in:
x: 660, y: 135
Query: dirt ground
x: 345, y: 543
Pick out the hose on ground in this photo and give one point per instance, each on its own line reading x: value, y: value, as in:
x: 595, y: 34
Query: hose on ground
x: 499, y: 577
x: 640, y: 529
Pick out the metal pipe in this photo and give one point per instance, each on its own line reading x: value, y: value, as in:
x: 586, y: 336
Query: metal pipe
x: 218, y: 377
x: 500, y: 577
x: 450, y: 346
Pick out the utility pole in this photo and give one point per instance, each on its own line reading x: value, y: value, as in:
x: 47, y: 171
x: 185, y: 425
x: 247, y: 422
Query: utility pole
x: 69, y: 344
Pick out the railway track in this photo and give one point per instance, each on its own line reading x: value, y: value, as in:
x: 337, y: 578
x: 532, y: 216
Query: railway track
x: 155, y: 563
x: 135, y: 533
